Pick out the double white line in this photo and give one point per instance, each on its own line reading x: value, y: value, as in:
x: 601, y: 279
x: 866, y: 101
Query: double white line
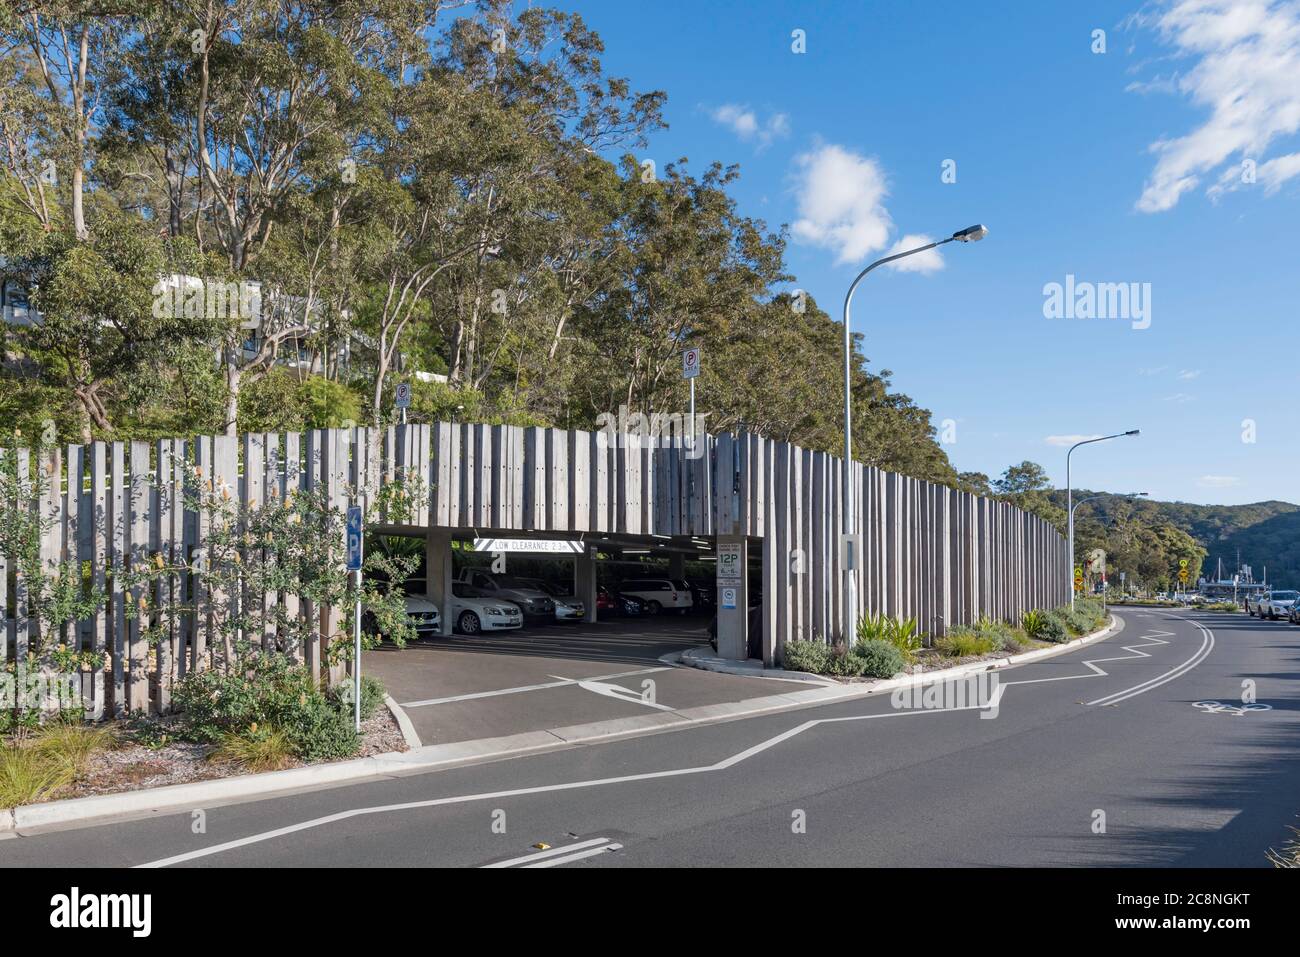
x: 561, y: 855
x: 1207, y: 645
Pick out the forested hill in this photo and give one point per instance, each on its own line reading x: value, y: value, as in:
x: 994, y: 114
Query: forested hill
x: 1265, y: 533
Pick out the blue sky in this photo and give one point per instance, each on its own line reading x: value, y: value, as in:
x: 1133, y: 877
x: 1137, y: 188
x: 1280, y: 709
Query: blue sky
x: 1119, y: 167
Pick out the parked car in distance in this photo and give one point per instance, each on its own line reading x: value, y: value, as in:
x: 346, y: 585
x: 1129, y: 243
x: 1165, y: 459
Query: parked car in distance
x: 534, y: 603
x: 473, y: 614
x: 1273, y: 605
x: 659, y: 594
x: 421, y: 613
x: 613, y: 603
x: 567, y: 606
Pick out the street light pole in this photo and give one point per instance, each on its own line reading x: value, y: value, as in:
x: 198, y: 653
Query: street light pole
x: 970, y: 234
x: 1069, y: 497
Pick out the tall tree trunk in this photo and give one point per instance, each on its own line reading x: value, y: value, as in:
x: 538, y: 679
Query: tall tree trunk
x: 233, y: 380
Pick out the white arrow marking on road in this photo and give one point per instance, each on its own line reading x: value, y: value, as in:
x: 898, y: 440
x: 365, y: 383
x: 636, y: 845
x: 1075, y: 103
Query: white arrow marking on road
x: 615, y: 691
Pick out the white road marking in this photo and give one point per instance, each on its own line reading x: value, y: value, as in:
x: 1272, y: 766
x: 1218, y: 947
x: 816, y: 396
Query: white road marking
x: 647, y: 776
x: 522, y: 688
x: 1207, y: 645
x: 524, y: 792
x: 1091, y: 663
x: 577, y: 857
x: 543, y: 855
x: 617, y: 692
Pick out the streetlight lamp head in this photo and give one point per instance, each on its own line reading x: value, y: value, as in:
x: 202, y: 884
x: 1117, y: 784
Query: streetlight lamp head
x: 1134, y: 432
x: 971, y: 234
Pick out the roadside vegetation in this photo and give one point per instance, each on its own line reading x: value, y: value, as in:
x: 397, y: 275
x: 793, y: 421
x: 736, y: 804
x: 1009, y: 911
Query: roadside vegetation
x: 887, y: 646
x: 1288, y: 856
x: 265, y: 715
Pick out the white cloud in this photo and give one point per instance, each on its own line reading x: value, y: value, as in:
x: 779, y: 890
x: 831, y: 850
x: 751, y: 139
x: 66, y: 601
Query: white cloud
x: 841, y: 198
x: 928, y: 261
x: 745, y: 123
x: 1247, y: 74
x: 1179, y: 397
x: 1152, y: 370
x: 1064, y: 440
x: 1218, y: 481
x: 1187, y: 374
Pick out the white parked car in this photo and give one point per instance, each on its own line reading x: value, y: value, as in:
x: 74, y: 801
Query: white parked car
x: 472, y: 615
x: 1273, y: 605
x: 659, y: 594
x: 423, y: 615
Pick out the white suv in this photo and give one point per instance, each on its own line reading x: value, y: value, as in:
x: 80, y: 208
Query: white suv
x: 1274, y: 605
x: 658, y: 594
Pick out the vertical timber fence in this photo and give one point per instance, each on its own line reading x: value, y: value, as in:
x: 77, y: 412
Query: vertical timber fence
x: 942, y: 556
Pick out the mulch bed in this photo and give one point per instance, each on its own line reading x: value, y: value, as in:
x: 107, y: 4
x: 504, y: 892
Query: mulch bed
x: 133, y: 767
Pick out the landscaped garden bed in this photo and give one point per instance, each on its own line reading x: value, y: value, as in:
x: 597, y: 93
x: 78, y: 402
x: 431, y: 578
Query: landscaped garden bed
x: 269, y: 716
x: 886, y: 647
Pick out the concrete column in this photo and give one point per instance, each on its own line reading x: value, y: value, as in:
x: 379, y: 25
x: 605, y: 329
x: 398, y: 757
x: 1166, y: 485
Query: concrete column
x: 733, y: 636
x: 438, y: 572
x: 584, y: 582
x: 676, y: 565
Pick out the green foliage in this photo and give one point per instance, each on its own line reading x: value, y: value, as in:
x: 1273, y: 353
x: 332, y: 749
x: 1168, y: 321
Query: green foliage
x: 804, y: 655
x: 879, y: 658
x: 264, y: 690
x: 27, y: 775
x: 965, y: 641
x: 1054, y: 629
x: 872, y: 657
x: 372, y: 696
x: 256, y: 749
x: 1033, y: 622
x: 72, y: 744
x: 424, y: 204
x: 902, y: 633
x: 285, y: 401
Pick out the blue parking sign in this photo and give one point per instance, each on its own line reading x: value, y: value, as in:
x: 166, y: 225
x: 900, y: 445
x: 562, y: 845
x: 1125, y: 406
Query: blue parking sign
x: 354, y: 538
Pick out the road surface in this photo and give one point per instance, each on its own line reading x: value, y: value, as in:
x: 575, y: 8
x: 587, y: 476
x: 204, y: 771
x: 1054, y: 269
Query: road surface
x: 1108, y: 755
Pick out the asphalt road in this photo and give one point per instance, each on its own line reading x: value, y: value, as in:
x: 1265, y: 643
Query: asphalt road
x: 1120, y: 741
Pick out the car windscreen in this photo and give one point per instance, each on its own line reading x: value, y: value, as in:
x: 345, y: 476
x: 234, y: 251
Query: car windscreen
x: 1286, y: 595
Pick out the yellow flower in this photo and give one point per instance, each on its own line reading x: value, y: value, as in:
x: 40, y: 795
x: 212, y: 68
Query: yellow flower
x: 158, y: 559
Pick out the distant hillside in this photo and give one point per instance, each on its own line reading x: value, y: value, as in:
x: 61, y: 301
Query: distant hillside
x: 1266, y: 533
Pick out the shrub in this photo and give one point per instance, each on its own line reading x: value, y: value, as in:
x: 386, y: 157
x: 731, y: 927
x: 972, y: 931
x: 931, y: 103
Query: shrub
x: 879, y: 658
x: 257, y: 749
x: 902, y: 633
x: 802, y: 655
x: 372, y: 696
x: 964, y: 641
x: 264, y: 690
x: 1033, y: 622
x: 1053, y: 629
x: 72, y: 745
x: 841, y: 663
x: 27, y: 775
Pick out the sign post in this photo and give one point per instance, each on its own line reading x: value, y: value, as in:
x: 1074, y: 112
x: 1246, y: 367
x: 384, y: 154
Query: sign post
x: 402, y: 399
x: 354, y: 566
x: 691, y: 371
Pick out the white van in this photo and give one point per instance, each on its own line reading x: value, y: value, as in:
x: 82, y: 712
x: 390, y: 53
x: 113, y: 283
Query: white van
x: 658, y: 594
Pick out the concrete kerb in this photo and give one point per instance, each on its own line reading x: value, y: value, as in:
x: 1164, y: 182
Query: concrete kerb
x: 103, y: 809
